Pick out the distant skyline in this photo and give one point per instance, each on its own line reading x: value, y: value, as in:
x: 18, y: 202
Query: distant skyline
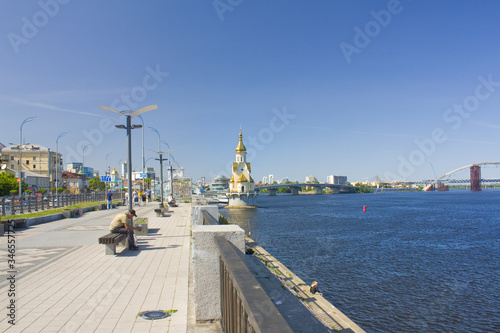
x: 394, y: 89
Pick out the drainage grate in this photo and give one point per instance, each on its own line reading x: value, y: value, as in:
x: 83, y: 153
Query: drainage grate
x: 154, y: 315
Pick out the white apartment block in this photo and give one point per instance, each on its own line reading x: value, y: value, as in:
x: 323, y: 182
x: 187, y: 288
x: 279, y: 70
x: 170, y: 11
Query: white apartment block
x: 336, y: 180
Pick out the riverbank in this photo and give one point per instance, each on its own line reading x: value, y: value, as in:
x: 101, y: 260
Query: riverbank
x: 295, y: 292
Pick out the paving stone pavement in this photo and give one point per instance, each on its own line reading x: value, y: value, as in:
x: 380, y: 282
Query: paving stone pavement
x: 66, y: 283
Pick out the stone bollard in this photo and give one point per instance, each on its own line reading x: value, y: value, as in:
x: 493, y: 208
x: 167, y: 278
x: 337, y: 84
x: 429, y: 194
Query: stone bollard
x: 207, y: 268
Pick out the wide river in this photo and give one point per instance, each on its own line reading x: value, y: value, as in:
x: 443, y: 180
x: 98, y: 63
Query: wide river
x: 413, y: 262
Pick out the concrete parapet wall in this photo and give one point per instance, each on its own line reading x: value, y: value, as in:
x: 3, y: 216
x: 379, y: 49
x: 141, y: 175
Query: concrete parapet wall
x: 43, y: 219
x: 207, y: 267
x: 198, y: 217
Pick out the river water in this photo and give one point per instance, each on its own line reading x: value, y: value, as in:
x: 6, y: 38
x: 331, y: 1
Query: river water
x: 413, y: 262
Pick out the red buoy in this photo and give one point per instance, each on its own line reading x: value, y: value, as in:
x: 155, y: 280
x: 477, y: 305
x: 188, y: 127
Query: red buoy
x: 364, y: 208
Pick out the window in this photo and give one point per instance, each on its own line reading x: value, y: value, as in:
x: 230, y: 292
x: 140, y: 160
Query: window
x: 11, y: 157
x: 34, y: 166
x: 27, y: 162
x: 12, y: 166
x: 34, y: 158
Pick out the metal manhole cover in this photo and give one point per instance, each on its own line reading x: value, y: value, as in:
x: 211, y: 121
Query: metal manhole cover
x: 154, y: 315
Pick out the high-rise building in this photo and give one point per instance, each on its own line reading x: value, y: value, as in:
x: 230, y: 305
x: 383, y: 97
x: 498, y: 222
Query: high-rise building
x: 336, y: 180
x: 124, y: 171
x: 284, y: 180
x: 311, y: 179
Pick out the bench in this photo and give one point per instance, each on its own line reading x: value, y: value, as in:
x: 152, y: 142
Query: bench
x: 160, y: 212
x: 111, y: 240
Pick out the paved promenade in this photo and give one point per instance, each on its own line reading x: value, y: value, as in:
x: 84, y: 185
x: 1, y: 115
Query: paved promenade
x: 66, y: 283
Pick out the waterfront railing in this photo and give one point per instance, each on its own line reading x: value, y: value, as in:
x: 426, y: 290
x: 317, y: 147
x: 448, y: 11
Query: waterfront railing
x: 15, y: 205
x: 245, y: 307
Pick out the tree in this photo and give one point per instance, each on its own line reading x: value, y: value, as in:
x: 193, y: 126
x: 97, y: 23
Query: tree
x: 96, y: 184
x: 284, y: 190
x: 9, y: 184
x: 362, y: 188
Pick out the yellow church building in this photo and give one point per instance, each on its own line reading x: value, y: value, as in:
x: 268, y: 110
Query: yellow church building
x: 241, y: 186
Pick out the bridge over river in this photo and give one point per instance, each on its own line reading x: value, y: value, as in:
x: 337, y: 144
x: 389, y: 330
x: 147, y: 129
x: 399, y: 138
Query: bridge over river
x: 295, y: 188
x: 475, y: 176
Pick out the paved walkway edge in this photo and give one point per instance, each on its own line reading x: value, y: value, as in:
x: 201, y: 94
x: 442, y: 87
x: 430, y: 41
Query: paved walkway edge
x: 321, y: 308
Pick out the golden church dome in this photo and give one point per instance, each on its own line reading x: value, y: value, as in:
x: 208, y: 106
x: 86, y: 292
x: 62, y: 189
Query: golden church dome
x: 241, y: 147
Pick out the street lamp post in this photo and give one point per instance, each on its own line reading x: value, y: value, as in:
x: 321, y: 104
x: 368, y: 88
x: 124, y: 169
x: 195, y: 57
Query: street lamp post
x: 58, y: 163
x: 161, y: 172
x: 129, y: 115
x: 106, y: 169
x: 121, y: 180
x: 159, y: 137
x: 159, y: 149
x: 27, y: 120
x: 170, y: 169
x: 83, y: 163
x: 143, y: 161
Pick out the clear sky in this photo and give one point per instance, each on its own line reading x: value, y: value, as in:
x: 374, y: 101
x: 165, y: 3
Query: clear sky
x: 343, y: 87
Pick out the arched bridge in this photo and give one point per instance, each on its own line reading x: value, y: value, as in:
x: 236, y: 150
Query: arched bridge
x: 318, y: 188
x: 475, y: 176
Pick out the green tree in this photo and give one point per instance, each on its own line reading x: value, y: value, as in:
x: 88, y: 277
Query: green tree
x: 284, y: 190
x: 59, y: 190
x: 9, y: 184
x: 362, y: 188
x: 96, y: 184
x: 264, y: 190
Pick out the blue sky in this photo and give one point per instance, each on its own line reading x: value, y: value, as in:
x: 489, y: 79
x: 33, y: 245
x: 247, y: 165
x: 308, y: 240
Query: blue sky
x: 355, y: 88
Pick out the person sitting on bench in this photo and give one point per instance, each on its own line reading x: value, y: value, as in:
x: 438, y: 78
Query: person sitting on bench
x: 120, y: 225
x: 171, y: 201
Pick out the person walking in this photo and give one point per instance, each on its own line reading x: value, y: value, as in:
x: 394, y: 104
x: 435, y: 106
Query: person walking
x: 122, y: 224
x: 109, y: 197
x: 135, y: 198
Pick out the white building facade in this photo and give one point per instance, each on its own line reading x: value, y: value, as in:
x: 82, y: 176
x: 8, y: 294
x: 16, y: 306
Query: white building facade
x: 336, y: 180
